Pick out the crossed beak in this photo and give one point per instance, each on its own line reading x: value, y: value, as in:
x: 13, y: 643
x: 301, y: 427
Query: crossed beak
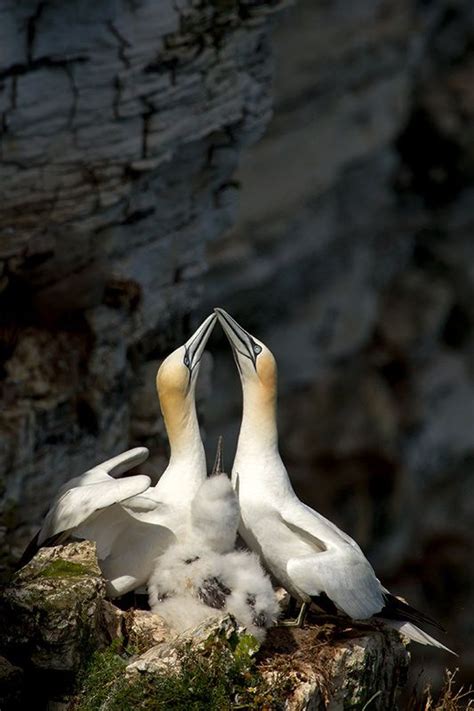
x: 194, y: 346
x: 242, y: 343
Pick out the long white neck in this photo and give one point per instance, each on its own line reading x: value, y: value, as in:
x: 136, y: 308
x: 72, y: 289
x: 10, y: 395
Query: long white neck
x: 187, y: 466
x: 257, y: 460
x: 258, y: 429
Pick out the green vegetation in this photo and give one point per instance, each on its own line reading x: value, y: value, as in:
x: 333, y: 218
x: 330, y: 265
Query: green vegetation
x: 63, y: 569
x: 219, y: 676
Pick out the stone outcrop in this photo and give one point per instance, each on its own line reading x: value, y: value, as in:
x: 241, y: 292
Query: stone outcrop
x: 336, y: 668
x: 52, y: 612
x: 54, y: 620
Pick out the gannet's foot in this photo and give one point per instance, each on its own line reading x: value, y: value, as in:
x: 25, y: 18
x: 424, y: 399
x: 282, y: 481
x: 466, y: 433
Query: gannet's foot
x: 299, y: 621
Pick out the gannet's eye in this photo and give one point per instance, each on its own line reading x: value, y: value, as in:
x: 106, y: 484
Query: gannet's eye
x: 186, y: 360
x: 257, y: 349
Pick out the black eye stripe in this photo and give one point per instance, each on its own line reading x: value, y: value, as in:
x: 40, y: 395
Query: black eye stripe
x: 236, y: 358
x: 245, y: 355
x: 255, y: 348
x: 199, y: 337
x: 237, y: 334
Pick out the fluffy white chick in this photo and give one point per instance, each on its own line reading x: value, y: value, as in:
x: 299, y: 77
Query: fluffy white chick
x: 203, y: 576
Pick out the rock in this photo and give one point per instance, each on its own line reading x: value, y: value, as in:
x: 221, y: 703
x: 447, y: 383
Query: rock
x: 444, y: 434
x: 414, y: 312
x: 324, y: 666
x: 52, y: 611
x: 335, y: 668
x: 224, y: 630
x: 55, y: 620
x: 144, y: 629
x: 11, y: 683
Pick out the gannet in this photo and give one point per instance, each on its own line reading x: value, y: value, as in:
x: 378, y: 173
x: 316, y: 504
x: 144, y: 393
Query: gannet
x: 202, y: 576
x: 131, y: 521
x: 309, y: 556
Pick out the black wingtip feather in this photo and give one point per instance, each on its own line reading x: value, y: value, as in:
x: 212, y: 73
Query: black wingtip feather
x: 396, y: 609
x: 30, y: 551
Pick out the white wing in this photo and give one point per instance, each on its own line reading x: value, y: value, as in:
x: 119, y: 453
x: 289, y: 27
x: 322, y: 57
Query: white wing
x: 94, y: 490
x: 126, y: 547
x: 122, y: 516
x: 338, y: 567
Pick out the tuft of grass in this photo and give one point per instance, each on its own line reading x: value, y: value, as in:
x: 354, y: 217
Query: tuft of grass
x: 450, y: 698
x: 101, y: 678
x: 221, y: 676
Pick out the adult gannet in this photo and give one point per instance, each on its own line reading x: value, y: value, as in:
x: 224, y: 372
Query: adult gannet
x: 202, y: 576
x: 309, y: 556
x: 131, y: 521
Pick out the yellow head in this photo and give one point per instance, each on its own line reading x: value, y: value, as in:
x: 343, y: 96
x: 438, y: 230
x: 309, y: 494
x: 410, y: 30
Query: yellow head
x: 255, y: 362
x: 177, y: 375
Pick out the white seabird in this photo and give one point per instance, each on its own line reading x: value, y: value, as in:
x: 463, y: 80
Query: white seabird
x: 309, y: 556
x: 131, y: 521
x: 203, y: 576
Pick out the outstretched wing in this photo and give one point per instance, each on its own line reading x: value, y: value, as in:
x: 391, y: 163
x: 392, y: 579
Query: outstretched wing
x: 95, y: 490
x: 111, y: 468
x: 110, y: 511
x: 78, y: 504
x: 84, y: 495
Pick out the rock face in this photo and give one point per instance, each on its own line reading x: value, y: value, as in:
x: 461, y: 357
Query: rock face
x: 352, y: 260
x: 54, y: 621
x: 121, y: 125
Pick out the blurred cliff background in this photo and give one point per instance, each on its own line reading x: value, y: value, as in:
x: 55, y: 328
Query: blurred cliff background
x: 143, y: 181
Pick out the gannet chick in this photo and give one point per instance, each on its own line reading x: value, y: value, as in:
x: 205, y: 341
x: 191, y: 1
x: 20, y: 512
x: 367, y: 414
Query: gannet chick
x: 131, y: 521
x: 203, y: 577
x: 308, y: 555
x: 215, y: 510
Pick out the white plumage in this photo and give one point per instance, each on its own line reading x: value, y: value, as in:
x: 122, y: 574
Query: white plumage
x: 310, y: 556
x: 215, y: 514
x: 131, y: 521
x: 204, y: 577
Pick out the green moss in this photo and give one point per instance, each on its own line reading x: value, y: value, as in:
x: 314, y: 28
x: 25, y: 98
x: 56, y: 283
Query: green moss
x: 63, y: 569
x: 216, y: 678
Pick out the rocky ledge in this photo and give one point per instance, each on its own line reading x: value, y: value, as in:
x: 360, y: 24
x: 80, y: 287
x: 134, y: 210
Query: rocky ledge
x: 68, y: 648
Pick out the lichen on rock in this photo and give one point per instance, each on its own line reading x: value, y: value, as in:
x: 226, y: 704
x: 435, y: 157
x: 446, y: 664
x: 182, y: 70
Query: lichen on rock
x: 51, y: 612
